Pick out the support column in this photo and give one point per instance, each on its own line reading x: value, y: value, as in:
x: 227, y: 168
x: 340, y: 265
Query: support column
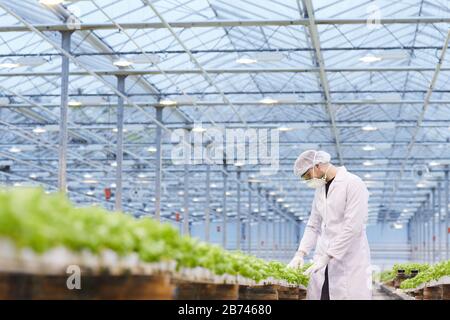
x: 433, y: 225
x: 63, y: 135
x: 430, y: 229
x: 249, y: 232
x: 447, y: 216
x: 119, y: 152
x: 424, y: 222
x: 158, y: 164
x: 428, y: 245
x: 426, y: 231
x: 274, y: 236
x: 417, y: 221
x: 238, y: 210
x: 186, y: 201
x: 289, y: 237
x: 208, y: 203
x: 439, y: 224
x: 258, y: 233
x: 286, y: 238
x: 412, y: 228
x: 224, y: 208
x: 280, y: 235
x: 421, y: 234
x: 266, y: 242
x: 424, y: 234
x: 417, y: 237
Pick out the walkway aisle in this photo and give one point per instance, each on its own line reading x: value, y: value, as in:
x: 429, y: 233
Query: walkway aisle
x: 378, y: 294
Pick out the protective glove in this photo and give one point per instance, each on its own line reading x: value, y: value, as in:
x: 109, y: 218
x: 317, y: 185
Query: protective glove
x: 298, y: 260
x: 318, y: 264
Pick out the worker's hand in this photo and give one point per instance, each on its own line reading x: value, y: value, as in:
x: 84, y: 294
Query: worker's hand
x: 298, y: 260
x: 318, y: 264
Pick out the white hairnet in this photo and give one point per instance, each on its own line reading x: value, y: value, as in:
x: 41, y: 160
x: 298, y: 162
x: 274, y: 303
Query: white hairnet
x: 309, y: 159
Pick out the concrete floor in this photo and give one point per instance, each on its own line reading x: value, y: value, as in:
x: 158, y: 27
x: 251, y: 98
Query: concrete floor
x: 378, y: 294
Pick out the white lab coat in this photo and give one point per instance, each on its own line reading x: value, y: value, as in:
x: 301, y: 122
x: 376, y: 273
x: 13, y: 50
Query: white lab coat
x: 337, y: 227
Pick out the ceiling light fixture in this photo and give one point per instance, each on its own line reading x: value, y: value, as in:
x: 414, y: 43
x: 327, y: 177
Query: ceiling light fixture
x: 123, y: 63
x: 167, y: 102
x: 39, y: 130
x: 9, y: 64
x: 398, y: 226
x: 75, y: 103
x: 246, y: 60
x: 15, y: 150
x: 268, y: 100
x: 370, y: 58
x: 369, y: 148
x: 369, y: 128
x: 90, y: 181
x: 421, y: 185
x: 198, y: 129
x: 285, y: 129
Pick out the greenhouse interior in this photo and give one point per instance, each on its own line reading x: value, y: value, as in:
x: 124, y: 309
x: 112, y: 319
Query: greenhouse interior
x: 224, y: 150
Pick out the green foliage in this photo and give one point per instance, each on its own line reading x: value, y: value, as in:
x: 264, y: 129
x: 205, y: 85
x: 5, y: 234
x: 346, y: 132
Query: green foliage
x: 390, y: 275
x: 387, y: 276
x: 408, y: 267
x: 40, y: 221
x: 434, y: 272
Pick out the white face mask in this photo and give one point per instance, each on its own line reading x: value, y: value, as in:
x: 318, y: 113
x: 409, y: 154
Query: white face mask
x: 315, y: 183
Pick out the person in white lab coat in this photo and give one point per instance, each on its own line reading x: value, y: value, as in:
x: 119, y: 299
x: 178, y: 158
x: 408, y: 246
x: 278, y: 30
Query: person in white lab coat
x: 336, y: 229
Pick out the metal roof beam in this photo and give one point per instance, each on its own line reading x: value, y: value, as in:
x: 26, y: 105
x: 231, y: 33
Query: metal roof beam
x: 263, y: 92
x: 269, y: 124
x: 132, y: 72
x: 196, y: 51
x: 372, y: 103
x: 224, y: 23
